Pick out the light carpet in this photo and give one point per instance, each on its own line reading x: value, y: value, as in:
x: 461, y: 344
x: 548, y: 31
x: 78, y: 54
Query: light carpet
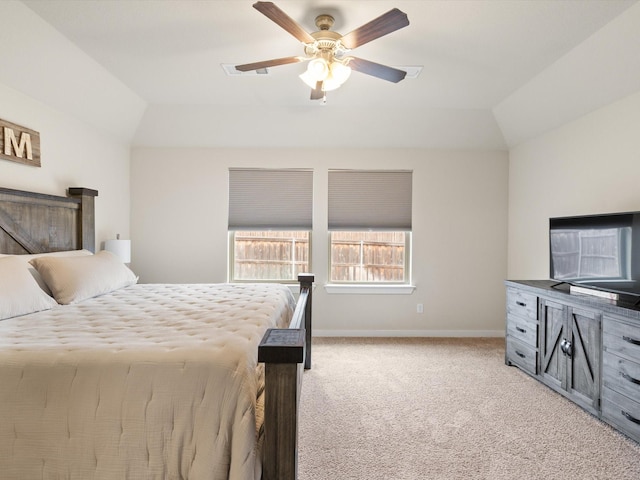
x: 441, y: 408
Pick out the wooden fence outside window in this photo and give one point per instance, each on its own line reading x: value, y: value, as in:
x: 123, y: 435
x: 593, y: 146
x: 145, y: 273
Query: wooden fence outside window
x: 355, y: 256
x: 367, y: 256
x: 270, y: 255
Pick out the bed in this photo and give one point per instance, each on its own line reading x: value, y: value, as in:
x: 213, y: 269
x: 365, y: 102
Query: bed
x: 103, y: 378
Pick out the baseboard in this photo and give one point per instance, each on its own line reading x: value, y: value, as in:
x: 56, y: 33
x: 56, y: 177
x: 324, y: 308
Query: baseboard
x: 408, y: 333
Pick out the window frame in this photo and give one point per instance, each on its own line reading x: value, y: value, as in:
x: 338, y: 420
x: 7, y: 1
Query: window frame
x: 371, y: 200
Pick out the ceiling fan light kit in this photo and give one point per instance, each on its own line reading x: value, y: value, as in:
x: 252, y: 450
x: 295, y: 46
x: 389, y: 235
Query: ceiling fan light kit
x: 327, y: 51
x: 331, y: 73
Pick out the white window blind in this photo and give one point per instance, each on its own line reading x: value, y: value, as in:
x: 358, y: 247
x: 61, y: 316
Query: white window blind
x: 370, y: 200
x: 278, y: 199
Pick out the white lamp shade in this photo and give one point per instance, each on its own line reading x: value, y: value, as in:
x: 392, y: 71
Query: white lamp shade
x: 307, y: 78
x: 331, y: 75
x: 121, y: 248
x: 340, y: 72
x: 318, y: 68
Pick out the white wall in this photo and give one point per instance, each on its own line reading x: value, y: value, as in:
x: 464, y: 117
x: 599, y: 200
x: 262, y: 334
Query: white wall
x: 179, y: 231
x: 85, y: 117
x: 39, y: 61
x: 73, y: 155
x: 591, y: 165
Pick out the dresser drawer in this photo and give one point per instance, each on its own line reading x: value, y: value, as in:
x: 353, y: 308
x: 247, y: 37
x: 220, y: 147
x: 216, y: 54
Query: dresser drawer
x: 522, y: 355
x: 622, y: 412
x: 522, y: 304
x: 523, y: 329
x: 621, y: 375
x: 621, y: 338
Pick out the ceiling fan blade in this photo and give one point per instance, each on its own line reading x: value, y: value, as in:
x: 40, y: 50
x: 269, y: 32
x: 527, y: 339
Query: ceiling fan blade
x: 386, y: 23
x: 376, y: 70
x: 276, y: 15
x: 317, y: 93
x: 269, y: 63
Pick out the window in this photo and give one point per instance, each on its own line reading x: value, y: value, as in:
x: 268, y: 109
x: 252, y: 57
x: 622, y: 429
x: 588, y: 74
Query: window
x: 270, y: 215
x: 269, y: 255
x: 364, y: 257
x: 370, y: 226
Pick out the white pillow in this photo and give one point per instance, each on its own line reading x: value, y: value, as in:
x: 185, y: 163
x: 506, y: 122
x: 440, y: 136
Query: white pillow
x: 19, y: 292
x: 73, y: 279
x: 28, y: 257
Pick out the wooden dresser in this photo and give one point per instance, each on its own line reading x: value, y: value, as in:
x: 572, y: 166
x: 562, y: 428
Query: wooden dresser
x: 585, y: 348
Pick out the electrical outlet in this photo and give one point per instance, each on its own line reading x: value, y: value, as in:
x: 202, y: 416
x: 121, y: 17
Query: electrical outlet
x: 420, y: 308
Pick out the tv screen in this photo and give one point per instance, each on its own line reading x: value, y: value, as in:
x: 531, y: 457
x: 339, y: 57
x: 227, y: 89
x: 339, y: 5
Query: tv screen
x: 597, y: 251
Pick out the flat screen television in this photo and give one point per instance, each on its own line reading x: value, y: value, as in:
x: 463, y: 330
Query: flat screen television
x: 597, y: 251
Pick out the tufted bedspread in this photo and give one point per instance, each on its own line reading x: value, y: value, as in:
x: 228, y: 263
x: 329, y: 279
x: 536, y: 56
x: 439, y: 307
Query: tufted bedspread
x: 148, y: 382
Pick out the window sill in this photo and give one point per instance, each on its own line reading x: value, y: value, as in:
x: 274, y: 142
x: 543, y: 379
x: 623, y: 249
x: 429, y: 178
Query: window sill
x: 361, y: 289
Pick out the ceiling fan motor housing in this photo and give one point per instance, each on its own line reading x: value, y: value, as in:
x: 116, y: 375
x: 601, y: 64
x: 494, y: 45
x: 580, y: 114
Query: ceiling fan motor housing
x: 327, y: 42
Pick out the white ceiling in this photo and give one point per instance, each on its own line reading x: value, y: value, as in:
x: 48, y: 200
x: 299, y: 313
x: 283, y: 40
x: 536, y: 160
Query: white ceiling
x: 487, y: 66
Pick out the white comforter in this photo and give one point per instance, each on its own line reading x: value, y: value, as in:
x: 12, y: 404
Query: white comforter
x: 149, y: 382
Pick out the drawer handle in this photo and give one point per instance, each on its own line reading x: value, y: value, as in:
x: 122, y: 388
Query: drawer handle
x: 520, y: 354
x: 629, y: 378
x: 630, y: 417
x: 630, y: 340
x: 521, y: 304
x: 521, y: 330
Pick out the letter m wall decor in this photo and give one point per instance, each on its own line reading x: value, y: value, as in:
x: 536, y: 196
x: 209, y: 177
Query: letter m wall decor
x: 19, y: 144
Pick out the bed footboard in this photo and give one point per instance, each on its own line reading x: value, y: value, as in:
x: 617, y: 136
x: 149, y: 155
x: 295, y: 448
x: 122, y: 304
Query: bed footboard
x: 284, y: 351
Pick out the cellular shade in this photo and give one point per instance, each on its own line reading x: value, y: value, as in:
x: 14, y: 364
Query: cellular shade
x: 270, y: 199
x: 370, y: 200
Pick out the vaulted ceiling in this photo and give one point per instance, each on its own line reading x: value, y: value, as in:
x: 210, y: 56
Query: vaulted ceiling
x: 495, y: 72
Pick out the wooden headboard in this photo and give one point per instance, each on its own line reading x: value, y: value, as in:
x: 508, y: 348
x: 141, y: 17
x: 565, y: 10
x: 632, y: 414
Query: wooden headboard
x: 38, y: 223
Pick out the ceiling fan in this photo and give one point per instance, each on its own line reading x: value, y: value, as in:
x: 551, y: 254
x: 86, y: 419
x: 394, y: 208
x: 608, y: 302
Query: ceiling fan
x: 328, y: 52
